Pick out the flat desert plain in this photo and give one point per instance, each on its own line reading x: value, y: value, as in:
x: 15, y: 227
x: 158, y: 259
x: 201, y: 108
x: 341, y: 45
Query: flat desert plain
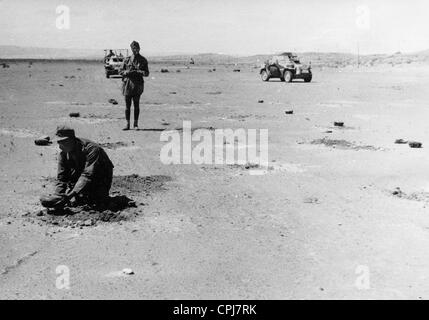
x: 324, y: 220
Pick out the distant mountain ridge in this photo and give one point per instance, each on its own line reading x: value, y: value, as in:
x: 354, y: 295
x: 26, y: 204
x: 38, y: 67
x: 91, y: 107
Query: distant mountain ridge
x: 15, y: 52
x: 328, y: 59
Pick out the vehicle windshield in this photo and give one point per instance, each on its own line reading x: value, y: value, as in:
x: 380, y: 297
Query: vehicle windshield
x: 280, y: 59
x: 294, y: 59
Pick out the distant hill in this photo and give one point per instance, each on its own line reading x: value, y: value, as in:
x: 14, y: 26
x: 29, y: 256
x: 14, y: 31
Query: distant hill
x: 14, y: 52
x: 318, y: 59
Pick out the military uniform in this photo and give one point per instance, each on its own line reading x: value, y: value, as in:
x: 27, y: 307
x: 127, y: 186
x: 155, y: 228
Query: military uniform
x: 87, y: 171
x: 84, y: 171
x: 133, y: 83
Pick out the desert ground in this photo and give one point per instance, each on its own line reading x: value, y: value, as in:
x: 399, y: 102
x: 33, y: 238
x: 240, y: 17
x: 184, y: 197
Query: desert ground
x: 326, y: 208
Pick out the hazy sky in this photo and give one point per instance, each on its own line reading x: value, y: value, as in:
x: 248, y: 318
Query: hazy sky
x: 221, y: 26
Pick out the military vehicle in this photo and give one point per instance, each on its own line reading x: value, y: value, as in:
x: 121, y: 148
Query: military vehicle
x: 286, y: 67
x: 114, y: 60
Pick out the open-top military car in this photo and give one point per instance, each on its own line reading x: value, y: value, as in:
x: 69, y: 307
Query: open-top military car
x: 113, y: 61
x: 286, y: 67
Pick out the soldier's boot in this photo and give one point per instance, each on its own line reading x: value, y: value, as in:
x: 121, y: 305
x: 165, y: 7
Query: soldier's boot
x: 54, y: 201
x: 127, y: 116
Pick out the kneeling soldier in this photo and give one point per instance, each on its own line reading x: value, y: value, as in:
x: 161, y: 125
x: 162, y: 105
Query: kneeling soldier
x: 84, y: 172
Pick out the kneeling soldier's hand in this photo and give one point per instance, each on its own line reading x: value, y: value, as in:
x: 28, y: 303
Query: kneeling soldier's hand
x: 69, y: 195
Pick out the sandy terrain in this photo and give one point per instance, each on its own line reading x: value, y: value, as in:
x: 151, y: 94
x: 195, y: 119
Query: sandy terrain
x: 302, y: 230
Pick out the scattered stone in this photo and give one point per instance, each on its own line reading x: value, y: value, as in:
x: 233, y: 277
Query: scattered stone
x: 178, y: 70
x: 236, y: 70
x: 113, y: 145
x: 43, y: 141
x: 127, y: 271
x: 397, y: 192
x: 415, y: 144
x: 246, y: 166
x: 5, y: 65
x: 288, y: 111
x: 164, y: 70
x: 173, y: 92
x: 165, y: 123
x: 400, y: 141
x: 74, y: 114
x: 88, y: 222
x: 40, y: 213
x: 113, y: 101
x: 338, y: 124
x: 311, y: 200
x: 328, y: 131
x: 260, y: 101
x: 342, y: 144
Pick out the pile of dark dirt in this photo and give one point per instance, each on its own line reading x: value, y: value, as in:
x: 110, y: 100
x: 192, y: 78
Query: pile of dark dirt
x: 246, y: 166
x: 415, y: 196
x: 100, y: 116
x: 342, y: 144
x: 197, y: 128
x: 239, y: 116
x: 135, y: 184
x: 119, y: 207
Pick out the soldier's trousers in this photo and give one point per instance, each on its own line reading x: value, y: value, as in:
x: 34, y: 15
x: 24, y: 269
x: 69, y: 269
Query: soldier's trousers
x: 98, y: 190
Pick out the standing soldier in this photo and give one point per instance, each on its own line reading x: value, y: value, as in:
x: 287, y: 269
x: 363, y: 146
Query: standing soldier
x: 85, y: 172
x: 134, y: 69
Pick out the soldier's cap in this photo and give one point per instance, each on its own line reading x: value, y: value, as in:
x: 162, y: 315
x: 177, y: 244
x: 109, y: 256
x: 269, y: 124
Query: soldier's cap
x: 135, y: 44
x: 63, y: 133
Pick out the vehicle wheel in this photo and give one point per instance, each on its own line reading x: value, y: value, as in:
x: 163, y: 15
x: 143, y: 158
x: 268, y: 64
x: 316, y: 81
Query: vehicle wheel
x: 107, y: 75
x: 288, y: 76
x: 308, y: 79
x: 265, y: 76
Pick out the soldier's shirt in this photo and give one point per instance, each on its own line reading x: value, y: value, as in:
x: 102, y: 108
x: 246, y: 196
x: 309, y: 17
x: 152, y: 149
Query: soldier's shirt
x: 133, y: 83
x: 82, y: 167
